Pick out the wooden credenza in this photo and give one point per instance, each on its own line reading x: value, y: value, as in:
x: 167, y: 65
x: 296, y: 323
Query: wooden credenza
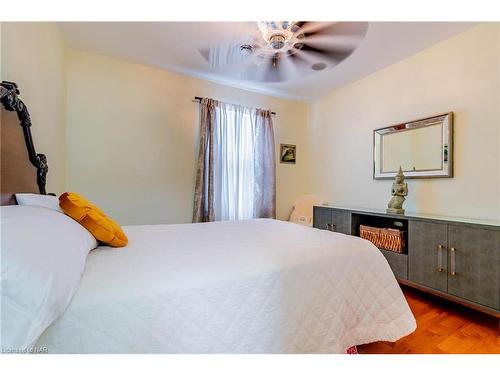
x: 456, y: 259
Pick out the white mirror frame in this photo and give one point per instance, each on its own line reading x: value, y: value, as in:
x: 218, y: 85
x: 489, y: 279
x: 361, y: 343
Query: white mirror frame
x: 447, y: 151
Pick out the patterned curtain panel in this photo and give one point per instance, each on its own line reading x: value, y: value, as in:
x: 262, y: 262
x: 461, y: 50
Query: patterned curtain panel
x: 236, y: 172
x: 264, y: 182
x: 204, y: 190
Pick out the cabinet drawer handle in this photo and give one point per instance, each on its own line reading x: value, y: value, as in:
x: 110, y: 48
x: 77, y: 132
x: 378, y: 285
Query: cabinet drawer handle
x: 453, y: 271
x: 331, y: 227
x: 440, y: 258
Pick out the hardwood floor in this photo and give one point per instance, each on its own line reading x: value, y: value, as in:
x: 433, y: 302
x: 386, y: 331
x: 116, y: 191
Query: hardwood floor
x: 442, y: 327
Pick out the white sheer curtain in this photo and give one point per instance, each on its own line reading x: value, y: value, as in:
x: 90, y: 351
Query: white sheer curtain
x: 233, y: 163
x: 236, y: 167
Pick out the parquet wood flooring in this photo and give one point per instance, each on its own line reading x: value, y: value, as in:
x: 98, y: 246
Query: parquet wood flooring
x: 442, y: 327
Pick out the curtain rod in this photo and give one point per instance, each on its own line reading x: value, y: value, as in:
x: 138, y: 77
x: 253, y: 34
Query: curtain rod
x: 198, y: 99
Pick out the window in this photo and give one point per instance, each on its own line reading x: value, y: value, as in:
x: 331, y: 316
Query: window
x: 236, y: 170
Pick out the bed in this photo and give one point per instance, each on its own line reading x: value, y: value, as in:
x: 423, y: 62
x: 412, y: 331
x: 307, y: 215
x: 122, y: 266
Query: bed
x: 250, y: 286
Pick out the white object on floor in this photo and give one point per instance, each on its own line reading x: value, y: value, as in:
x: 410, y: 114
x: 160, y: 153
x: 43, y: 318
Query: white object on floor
x: 249, y: 286
x: 303, y: 209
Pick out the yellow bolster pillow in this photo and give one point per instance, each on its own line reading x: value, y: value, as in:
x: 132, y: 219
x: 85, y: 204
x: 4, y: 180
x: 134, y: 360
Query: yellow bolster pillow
x: 103, y: 228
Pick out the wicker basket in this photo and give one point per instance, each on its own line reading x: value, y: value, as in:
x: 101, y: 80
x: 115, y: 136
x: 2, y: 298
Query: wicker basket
x: 384, y: 238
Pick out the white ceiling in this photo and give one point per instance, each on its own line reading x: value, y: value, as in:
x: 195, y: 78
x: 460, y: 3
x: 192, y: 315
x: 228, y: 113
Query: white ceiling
x: 175, y: 46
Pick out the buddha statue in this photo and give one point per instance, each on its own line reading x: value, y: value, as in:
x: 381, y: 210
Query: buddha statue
x: 399, y: 192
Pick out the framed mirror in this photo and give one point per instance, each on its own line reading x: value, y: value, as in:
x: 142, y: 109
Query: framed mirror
x: 423, y: 148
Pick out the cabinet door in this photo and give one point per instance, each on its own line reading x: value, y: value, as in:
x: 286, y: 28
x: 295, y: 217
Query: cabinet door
x: 342, y: 221
x: 427, y: 255
x: 474, y: 259
x: 322, y: 217
x: 397, y: 262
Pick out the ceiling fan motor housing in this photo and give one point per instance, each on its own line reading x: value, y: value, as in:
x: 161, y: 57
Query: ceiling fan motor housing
x: 277, y: 41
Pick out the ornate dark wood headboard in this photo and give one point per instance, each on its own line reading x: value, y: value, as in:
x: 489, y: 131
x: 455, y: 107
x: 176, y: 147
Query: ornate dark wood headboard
x: 22, y: 169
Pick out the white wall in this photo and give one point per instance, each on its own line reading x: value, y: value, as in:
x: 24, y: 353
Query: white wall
x: 132, y: 134
x: 461, y: 75
x: 32, y: 55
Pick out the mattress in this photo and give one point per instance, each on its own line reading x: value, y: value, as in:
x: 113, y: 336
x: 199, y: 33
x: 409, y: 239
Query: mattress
x: 250, y: 286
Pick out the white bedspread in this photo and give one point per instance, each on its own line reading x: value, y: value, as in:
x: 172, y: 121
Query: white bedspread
x: 253, y: 286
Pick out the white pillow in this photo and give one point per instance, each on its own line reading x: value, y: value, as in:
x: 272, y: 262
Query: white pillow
x: 43, y: 255
x: 30, y: 199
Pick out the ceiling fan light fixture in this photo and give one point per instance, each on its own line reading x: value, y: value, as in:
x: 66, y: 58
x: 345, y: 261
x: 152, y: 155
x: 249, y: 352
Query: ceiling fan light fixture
x: 277, y: 41
x: 276, y: 33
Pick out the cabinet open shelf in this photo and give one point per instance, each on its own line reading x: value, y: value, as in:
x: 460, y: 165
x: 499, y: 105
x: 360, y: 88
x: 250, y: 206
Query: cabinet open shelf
x: 380, y: 222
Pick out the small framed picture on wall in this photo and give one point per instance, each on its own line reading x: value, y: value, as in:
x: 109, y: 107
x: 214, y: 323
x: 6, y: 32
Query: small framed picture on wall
x: 288, y: 153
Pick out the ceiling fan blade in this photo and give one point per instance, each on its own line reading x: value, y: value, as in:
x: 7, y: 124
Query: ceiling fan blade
x: 339, y: 28
x: 271, y: 70
x: 258, y: 56
x: 304, y: 58
x: 333, y: 56
x: 297, y: 57
x: 256, y: 69
x: 250, y: 72
x: 288, y: 68
x: 337, y: 42
x: 303, y: 61
x: 222, y: 55
x: 312, y: 27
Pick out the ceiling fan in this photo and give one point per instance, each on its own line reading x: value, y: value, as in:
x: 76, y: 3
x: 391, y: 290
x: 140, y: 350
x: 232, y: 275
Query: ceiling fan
x: 275, y: 51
